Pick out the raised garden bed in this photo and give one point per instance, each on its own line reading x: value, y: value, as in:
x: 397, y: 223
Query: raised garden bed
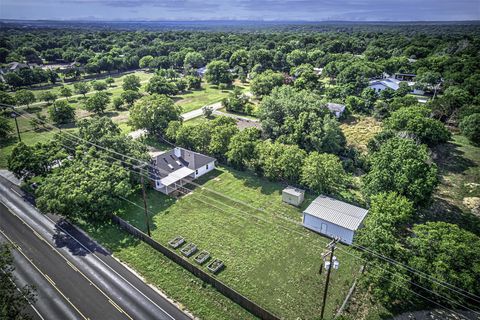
x: 176, y: 242
x: 215, y: 266
x: 189, y: 249
x: 202, y: 257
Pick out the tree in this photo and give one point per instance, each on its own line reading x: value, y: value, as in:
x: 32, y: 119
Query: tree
x: 14, y: 80
x: 5, y: 128
x: 153, y: 113
x: 222, y: 130
x: 131, y: 82
x: 193, y: 60
x: 117, y: 103
x: 236, y: 101
x: 109, y: 81
x: 130, y: 96
x: 296, y: 57
x: 207, y: 111
x: 264, y: 83
x: 384, y: 225
x: 452, y: 100
x: 470, y: 126
x: 6, y: 98
x: 97, y: 103
x: 24, y: 97
x: 416, y: 120
x: 99, y: 85
x: 14, y: 301
x: 87, y: 188
x: 145, y: 62
x: 48, y: 96
x: 447, y: 252
x: 278, y: 161
x: 159, y: 85
x: 193, y: 82
x: 404, y: 167
x: 218, y: 72
x: 65, y: 92
x: 241, y: 150
x: 61, y: 112
x: 81, y: 88
x: 323, y: 173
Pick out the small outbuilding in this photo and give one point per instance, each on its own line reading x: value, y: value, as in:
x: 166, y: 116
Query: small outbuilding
x: 334, y: 218
x: 293, y: 195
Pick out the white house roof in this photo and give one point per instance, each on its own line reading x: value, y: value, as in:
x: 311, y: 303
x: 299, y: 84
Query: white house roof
x: 337, y: 212
x: 335, y: 107
x: 293, y: 191
x: 176, y: 176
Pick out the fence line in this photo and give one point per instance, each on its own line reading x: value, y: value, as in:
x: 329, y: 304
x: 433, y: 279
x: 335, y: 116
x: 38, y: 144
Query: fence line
x: 227, y: 291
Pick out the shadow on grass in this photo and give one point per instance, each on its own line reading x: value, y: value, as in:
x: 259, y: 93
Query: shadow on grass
x: 450, y: 159
x: 252, y: 180
x: 442, y: 210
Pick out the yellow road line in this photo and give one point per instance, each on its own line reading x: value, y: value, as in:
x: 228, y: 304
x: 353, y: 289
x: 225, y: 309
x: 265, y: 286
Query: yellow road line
x: 76, y: 269
x: 44, y: 275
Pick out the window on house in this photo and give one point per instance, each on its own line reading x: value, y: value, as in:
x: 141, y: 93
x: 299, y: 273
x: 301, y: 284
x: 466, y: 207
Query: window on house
x: 207, y: 166
x: 196, y: 171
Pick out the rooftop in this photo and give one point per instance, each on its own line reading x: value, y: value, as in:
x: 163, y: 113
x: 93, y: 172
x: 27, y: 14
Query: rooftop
x: 294, y: 191
x: 337, y: 212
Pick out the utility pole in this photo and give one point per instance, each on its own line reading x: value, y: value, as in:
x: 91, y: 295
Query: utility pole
x: 332, y: 263
x: 144, y: 198
x: 145, y: 206
x: 14, y: 114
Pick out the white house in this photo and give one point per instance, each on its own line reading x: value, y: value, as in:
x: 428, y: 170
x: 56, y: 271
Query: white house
x: 293, y: 195
x: 394, y: 83
x: 336, y: 108
x: 177, y: 167
x: 333, y: 218
x: 201, y: 71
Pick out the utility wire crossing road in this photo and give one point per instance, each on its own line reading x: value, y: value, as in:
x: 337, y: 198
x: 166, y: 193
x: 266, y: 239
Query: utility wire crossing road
x: 74, y: 277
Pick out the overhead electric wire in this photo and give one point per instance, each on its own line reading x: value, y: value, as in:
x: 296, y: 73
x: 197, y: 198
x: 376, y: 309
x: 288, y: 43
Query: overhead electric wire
x: 241, y: 202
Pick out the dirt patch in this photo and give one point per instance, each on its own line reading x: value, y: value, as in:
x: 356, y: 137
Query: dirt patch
x: 473, y: 203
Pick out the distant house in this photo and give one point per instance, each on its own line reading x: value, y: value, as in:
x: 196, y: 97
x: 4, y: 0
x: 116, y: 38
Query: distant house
x: 293, y: 195
x: 336, y: 108
x: 177, y: 167
x: 318, y: 71
x: 394, y: 83
x: 16, y: 66
x: 334, y: 218
x: 201, y: 71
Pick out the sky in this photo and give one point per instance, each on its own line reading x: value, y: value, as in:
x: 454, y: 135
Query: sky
x: 284, y: 10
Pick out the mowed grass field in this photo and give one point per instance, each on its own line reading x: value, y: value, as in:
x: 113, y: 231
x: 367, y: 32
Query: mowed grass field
x: 268, y: 257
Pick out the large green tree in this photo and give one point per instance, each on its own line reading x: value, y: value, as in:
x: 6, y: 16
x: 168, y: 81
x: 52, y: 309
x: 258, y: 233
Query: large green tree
x: 218, y: 72
x: 131, y: 82
x: 153, y: 113
x: 86, y: 187
x: 323, y: 173
x: 470, y: 126
x: 264, y: 83
x: 61, y: 112
x: 241, y: 150
x: 402, y: 166
x: 24, y: 97
x: 97, y: 103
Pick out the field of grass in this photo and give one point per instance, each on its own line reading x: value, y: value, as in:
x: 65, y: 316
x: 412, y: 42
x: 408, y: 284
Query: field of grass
x: 199, y: 98
x: 268, y: 257
x: 359, y: 130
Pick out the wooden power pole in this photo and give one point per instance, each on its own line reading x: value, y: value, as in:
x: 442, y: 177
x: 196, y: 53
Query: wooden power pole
x: 145, y: 206
x: 331, y: 246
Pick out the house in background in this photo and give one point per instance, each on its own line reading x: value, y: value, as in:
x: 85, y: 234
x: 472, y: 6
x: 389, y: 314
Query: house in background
x: 381, y: 84
x: 293, y: 196
x: 336, y: 108
x: 334, y: 218
x: 177, y: 167
x: 201, y: 71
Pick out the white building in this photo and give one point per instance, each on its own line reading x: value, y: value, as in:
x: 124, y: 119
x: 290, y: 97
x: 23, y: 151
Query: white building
x: 179, y: 166
x: 336, y: 108
x: 293, y: 196
x: 333, y: 218
x: 394, y: 83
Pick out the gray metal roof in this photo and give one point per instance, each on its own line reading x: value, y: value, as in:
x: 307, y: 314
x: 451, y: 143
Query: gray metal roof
x: 337, y: 212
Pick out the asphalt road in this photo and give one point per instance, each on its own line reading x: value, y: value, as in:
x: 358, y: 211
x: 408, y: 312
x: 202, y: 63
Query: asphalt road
x: 75, y: 277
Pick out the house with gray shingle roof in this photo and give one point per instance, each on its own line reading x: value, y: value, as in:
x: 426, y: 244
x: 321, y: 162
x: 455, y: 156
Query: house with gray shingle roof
x: 177, y: 167
x: 334, y: 218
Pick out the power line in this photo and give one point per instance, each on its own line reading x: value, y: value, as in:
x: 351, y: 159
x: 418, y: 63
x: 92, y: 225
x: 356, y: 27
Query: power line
x: 220, y: 194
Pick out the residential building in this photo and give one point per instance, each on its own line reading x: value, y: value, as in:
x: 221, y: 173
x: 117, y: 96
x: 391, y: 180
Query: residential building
x: 177, y: 167
x: 334, y: 218
x: 336, y: 108
x: 393, y: 83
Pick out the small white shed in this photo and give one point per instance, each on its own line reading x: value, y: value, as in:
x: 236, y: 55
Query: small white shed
x: 293, y: 195
x: 333, y: 218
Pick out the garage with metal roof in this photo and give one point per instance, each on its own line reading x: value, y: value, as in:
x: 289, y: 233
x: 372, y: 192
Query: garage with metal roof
x: 334, y: 218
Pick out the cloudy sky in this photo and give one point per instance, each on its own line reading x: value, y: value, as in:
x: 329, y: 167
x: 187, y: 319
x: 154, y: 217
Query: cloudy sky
x: 312, y: 10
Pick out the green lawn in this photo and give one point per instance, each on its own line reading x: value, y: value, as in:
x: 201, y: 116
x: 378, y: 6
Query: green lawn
x: 199, y: 98
x: 268, y: 258
x: 359, y: 130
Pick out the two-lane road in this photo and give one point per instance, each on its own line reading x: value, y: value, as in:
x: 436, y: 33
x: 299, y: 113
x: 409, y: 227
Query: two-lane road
x: 75, y: 278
